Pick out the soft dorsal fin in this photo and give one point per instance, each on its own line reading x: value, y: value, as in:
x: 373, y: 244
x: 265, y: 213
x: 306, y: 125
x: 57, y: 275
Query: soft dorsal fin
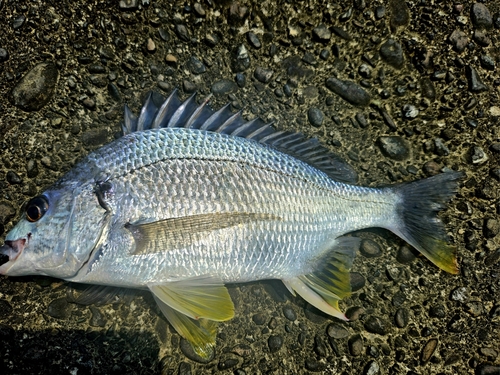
x: 158, y: 112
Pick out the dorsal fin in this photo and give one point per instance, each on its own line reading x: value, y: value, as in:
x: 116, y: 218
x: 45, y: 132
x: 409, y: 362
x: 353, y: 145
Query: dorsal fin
x: 158, y: 112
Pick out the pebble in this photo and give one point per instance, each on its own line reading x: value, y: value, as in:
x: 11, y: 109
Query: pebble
x: 36, y: 88
x: 224, y: 86
x: 357, y: 281
x: 478, y: 156
x: 487, y: 62
x: 440, y: 148
x: 356, y: 346
x: 493, y: 257
x: 199, y: 10
x: 405, y: 254
x: 370, y: 249
x: 150, y: 45
x: 487, y: 369
x: 263, y: 75
x: 361, y: 120
x: 13, y: 178
x: 289, y: 313
x: 227, y: 364
x: 254, y: 40
x: 393, y: 147
x: 259, y: 319
x: 428, y: 350
x: 388, y: 120
x: 89, y: 103
x: 459, y: 40
x: 400, y: 14
x: 59, y: 308
x: 402, y: 317
x: 319, y: 346
x: 392, y: 53
x: 196, y: 66
x: 409, y: 111
x: 182, y: 32
x: 314, y: 365
x: 240, y: 59
x: 371, y: 368
x: 380, y: 12
x: 188, y: 351
x: 475, y: 83
x: 4, y: 55
x: 376, y: 325
x: 242, y: 350
x: 321, y: 33
x: 341, y: 33
x: 481, y: 16
x: 185, y: 369
x: 97, y: 318
x: 349, y: 91
x: 491, y: 228
x: 337, y: 331
x: 275, y: 342
x: 315, y: 116
x: 459, y: 294
x: 18, y: 22
x: 32, y: 168
x: 128, y: 4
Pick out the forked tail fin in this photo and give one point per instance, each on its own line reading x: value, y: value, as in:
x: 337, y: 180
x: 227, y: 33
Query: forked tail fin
x: 418, y: 223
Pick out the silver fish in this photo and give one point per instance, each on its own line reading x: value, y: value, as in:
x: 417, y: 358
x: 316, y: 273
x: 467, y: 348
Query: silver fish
x: 190, y: 199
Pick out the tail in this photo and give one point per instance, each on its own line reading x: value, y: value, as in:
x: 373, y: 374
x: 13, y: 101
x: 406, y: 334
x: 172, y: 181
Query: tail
x: 418, y: 223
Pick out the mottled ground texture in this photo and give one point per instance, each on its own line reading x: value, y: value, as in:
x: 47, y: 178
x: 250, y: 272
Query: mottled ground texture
x: 402, y: 89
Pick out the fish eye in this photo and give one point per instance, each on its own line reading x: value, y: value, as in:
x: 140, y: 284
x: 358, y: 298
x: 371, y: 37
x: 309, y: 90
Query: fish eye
x: 36, y: 208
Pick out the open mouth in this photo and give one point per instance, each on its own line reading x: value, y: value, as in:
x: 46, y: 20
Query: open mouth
x: 11, y: 250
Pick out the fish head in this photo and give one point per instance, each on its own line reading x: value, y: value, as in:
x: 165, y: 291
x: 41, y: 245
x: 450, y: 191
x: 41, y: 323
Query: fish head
x: 56, y: 233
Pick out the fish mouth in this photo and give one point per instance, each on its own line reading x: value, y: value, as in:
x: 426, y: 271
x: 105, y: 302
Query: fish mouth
x: 9, y: 252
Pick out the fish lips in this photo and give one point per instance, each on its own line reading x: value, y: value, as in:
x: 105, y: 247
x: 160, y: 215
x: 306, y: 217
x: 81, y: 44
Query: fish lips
x: 9, y: 252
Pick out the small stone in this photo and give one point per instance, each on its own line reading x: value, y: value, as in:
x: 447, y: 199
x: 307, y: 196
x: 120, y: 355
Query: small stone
x: 199, y: 10
x: 481, y: 16
x: 354, y: 313
x: 380, y: 12
x: 491, y: 227
x: 182, y: 32
x: 349, y: 91
x: 400, y: 14
x: 237, y: 14
x: 242, y: 350
x: 357, y: 281
x: 241, y: 80
x: 428, y: 350
x: 393, y: 147
x: 89, y: 103
x: 314, y: 365
x: 460, y: 294
x: 478, y: 156
x: 402, y: 317
x: 289, y: 313
x: 315, y: 117
x: 263, y: 75
x: 341, y: 33
x: 428, y: 89
x: 437, y: 311
x: 370, y: 249
x: 13, y: 178
x: 189, y: 86
x: 97, y: 319
x: 376, y: 325
x: 150, y: 45
x: 275, y: 343
x: 240, y: 59
x: 254, y: 40
x: 356, y: 346
x: 405, y: 254
x: 4, y: 55
x: 392, y: 53
x: 487, y: 62
x: 18, y: 22
x: 128, y: 4
x: 259, y: 319
x: 440, y: 148
x: 188, y: 351
x: 459, y: 40
x: 227, y: 364
x: 321, y: 33
x: 196, y: 66
x: 223, y: 87
x: 487, y: 369
x: 32, y: 168
x: 475, y: 308
x: 36, y: 88
x: 337, y: 331
x: 409, y: 111
x: 475, y: 83
x: 493, y: 257
x: 371, y: 368
x: 59, y: 309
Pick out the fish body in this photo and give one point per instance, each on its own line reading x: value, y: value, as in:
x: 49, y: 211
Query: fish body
x: 190, y: 199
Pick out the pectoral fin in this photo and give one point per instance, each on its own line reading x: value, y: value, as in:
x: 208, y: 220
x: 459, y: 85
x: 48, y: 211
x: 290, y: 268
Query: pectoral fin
x: 193, y: 307
x: 180, y: 232
x: 325, y: 287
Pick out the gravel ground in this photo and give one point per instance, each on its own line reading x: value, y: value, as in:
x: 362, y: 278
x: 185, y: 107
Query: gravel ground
x: 402, y: 89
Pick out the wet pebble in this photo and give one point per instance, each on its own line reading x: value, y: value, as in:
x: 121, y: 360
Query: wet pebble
x: 89, y: 103
x: 97, y: 318
x: 357, y: 281
x: 478, y: 155
x: 460, y: 294
x: 409, y: 111
x: 380, y: 12
x: 370, y: 249
x: 356, y: 346
x: 374, y: 324
x: 315, y: 116
x: 128, y: 4
x: 428, y: 350
x: 405, y: 254
x: 402, y: 317
x: 493, y: 257
x: 392, y: 53
x: 394, y: 147
x: 240, y: 59
x: 371, y: 368
x: 481, y: 16
x: 13, y: 178
x: 361, y: 120
x: 275, y: 343
x: 321, y: 33
x: 311, y: 364
x: 337, y: 331
x: 196, y: 66
x: 36, y: 88
x: 4, y: 55
x: 354, y: 313
x: 18, y: 21
x: 188, y: 351
x: 459, y: 40
x: 224, y: 86
x: 289, y: 313
x: 226, y: 364
x: 440, y: 148
x: 475, y: 83
x: 263, y: 75
x: 427, y: 88
x: 32, y: 168
x: 487, y: 369
x: 491, y: 228
x: 349, y: 91
x: 199, y: 10
x: 481, y: 38
x: 259, y: 319
x: 182, y: 32
x: 254, y: 40
x: 185, y: 368
x: 487, y: 62
x: 59, y: 308
x: 400, y: 14
x: 242, y: 350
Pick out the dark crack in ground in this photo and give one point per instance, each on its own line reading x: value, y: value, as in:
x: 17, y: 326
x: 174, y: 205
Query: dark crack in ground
x: 402, y: 89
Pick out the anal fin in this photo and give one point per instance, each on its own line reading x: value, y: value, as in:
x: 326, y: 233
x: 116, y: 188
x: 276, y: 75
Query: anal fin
x: 325, y: 287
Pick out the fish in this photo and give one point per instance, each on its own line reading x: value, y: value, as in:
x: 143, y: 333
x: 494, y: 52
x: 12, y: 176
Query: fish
x: 190, y: 199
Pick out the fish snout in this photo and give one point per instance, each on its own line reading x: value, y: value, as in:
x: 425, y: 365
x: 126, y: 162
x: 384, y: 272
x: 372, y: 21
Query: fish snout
x: 11, y: 249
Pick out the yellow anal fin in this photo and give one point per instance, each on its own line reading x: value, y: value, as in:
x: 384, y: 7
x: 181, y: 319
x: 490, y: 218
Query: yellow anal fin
x: 325, y: 287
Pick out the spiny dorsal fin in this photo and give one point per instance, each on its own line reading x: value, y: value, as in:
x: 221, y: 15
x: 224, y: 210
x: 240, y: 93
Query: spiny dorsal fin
x: 158, y: 112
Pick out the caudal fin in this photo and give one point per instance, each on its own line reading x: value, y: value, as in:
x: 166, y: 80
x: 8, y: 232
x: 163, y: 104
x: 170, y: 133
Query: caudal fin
x: 418, y: 222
